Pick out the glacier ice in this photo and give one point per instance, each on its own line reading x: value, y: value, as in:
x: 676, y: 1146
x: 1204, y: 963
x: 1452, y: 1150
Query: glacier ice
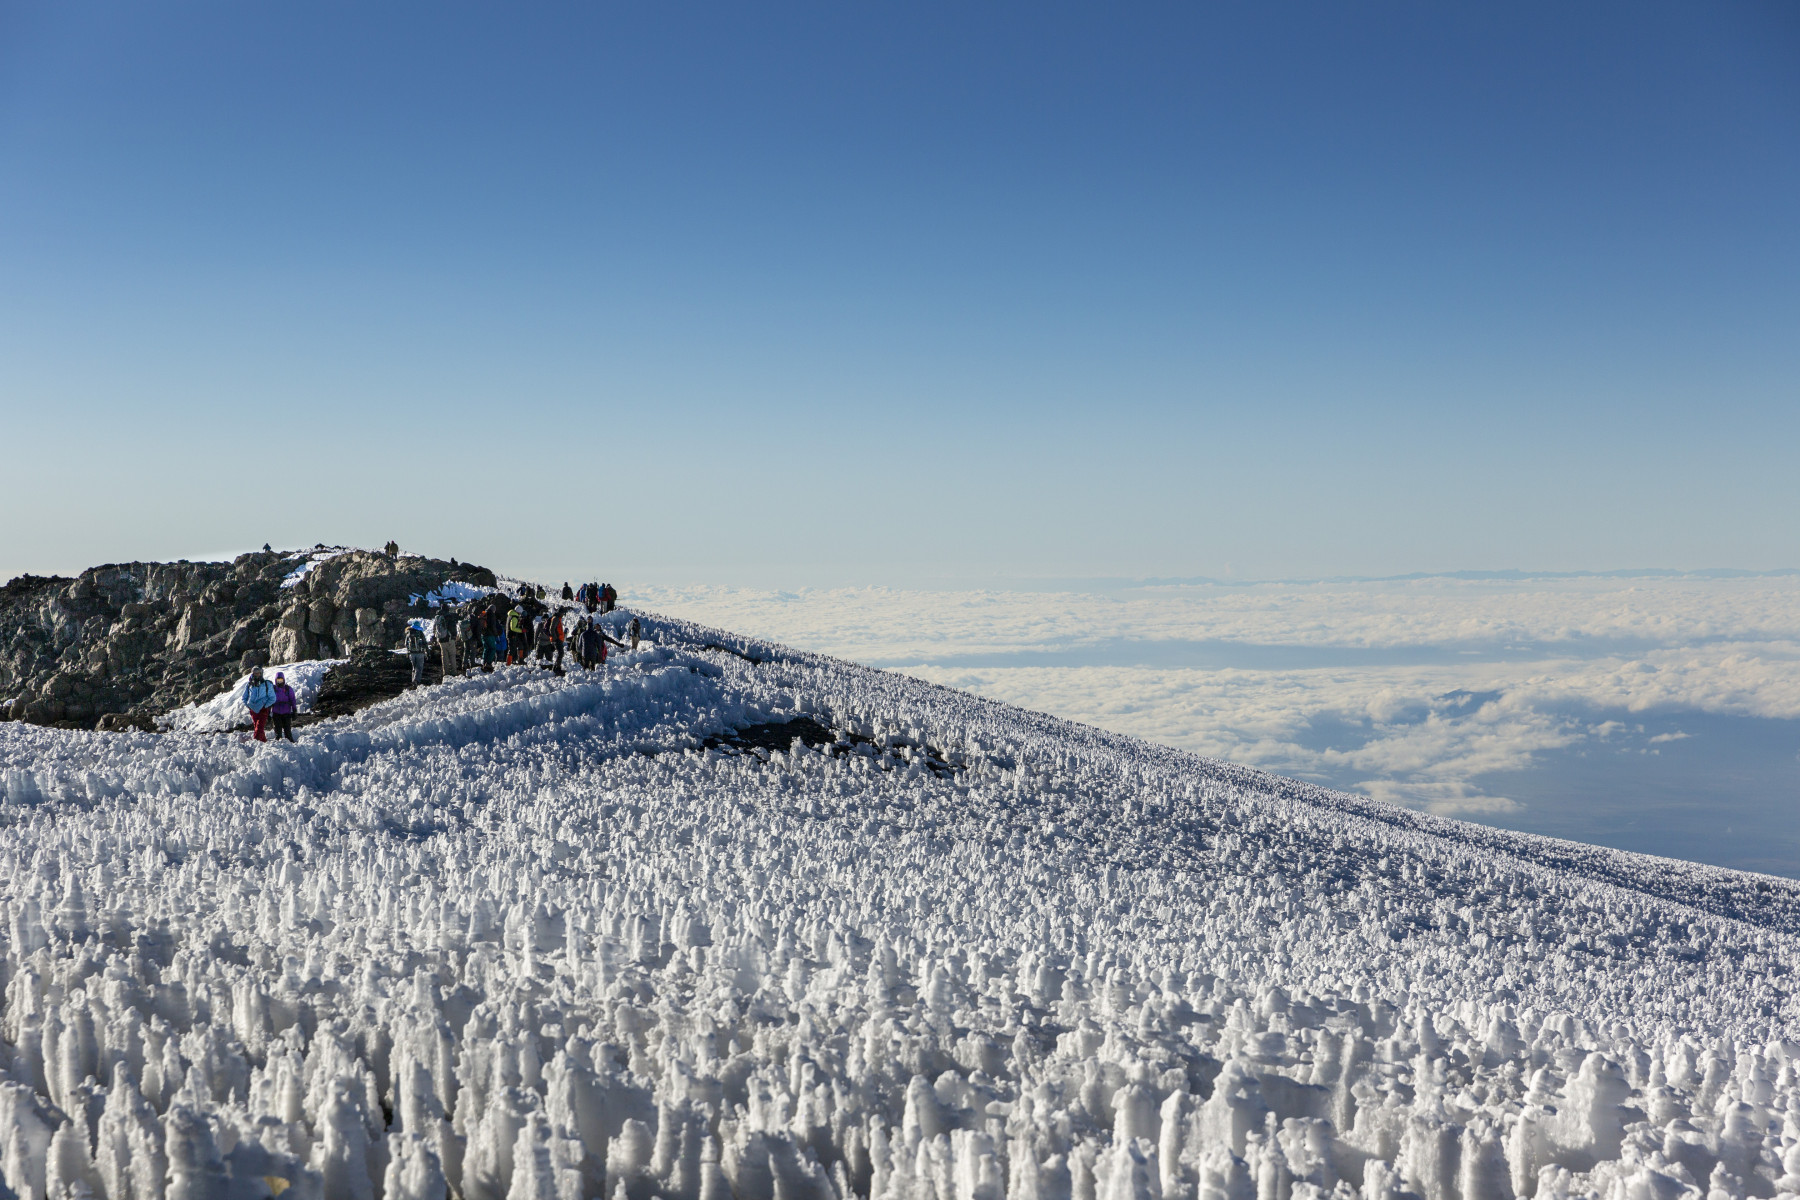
x: 522, y: 937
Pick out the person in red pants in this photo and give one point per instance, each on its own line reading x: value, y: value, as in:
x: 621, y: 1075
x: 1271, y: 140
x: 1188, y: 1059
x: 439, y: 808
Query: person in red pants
x: 259, y: 698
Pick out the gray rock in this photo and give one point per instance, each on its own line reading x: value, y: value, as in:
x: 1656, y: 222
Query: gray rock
x: 319, y: 617
x: 197, y: 624
x: 243, y: 637
x: 125, y: 641
x: 288, y: 645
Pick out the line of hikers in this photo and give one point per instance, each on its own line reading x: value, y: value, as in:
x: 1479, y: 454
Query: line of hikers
x: 492, y: 629
x: 495, y: 629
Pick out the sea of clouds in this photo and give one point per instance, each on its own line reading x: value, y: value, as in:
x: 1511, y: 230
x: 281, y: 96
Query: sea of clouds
x: 1438, y: 693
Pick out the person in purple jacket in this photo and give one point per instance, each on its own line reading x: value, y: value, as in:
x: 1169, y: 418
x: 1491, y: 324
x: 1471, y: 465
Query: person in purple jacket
x: 284, y: 708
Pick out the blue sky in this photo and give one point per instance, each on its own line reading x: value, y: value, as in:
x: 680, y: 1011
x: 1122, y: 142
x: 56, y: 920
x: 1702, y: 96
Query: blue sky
x: 851, y: 293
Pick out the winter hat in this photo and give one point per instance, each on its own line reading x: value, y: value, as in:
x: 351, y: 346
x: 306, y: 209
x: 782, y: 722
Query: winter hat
x: 280, y: 677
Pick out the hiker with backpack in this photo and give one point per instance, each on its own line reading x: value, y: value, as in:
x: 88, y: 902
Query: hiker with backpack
x: 449, y: 644
x: 568, y: 593
x: 259, y: 698
x: 282, y: 713
x: 540, y: 636
x: 518, y: 635
x: 593, y: 645
x: 557, y: 637
x: 416, y: 648
x: 634, y: 631
x: 493, y: 639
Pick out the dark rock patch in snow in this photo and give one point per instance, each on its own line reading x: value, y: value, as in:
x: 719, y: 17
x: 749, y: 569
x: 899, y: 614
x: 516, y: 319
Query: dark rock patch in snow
x: 894, y: 751
x: 371, y: 675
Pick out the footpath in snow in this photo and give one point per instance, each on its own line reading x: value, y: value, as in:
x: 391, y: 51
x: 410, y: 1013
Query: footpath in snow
x: 616, y: 935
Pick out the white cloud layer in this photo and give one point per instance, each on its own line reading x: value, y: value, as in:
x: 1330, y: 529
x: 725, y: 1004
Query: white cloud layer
x: 1458, y: 679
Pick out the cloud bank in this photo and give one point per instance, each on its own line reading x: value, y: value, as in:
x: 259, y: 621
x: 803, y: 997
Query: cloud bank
x: 1409, y: 691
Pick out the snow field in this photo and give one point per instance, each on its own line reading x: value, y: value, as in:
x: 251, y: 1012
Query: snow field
x: 519, y: 937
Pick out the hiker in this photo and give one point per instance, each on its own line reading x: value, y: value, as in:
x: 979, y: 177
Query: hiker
x: 540, y: 591
x: 608, y: 597
x: 593, y: 645
x: 493, y: 647
x: 517, y: 635
x: 524, y: 590
x: 634, y: 631
x: 557, y: 635
x: 285, y: 707
x: 468, y: 629
x: 449, y: 645
x: 259, y: 698
x: 540, y: 636
x: 590, y: 597
x: 568, y: 593
x: 392, y: 549
x: 415, y: 650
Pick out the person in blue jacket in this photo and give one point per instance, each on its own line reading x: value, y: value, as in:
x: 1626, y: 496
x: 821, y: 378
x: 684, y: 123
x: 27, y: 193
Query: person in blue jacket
x: 259, y: 698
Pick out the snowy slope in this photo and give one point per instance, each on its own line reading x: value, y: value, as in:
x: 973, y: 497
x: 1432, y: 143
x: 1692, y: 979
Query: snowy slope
x: 523, y: 937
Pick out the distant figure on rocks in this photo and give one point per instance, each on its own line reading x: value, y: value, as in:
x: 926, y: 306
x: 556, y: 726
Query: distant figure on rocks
x: 634, y: 631
x: 392, y: 549
x: 259, y: 698
x: 568, y: 593
x: 449, y: 643
x: 285, y: 707
x: 416, y: 647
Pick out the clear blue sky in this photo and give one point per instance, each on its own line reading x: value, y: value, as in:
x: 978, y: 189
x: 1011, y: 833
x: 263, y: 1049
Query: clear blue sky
x: 857, y: 292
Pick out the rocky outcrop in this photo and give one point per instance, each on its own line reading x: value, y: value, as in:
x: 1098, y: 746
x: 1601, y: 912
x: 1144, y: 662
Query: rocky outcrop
x: 118, y: 644
x: 370, y: 675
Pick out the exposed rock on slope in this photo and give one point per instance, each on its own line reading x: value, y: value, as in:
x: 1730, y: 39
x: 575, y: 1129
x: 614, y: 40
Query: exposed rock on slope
x: 121, y: 643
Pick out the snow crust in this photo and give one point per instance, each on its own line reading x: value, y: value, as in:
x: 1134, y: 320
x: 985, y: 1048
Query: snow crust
x: 453, y: 591
x: 226, y: 710
x: 519, y: 937
x: 311, y: 559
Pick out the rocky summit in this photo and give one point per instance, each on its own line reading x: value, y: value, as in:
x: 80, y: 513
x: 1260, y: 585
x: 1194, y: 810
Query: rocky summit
x: 119, y: 644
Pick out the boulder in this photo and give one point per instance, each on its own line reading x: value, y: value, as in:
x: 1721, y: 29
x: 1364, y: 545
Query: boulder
x: 369, y: 628
x: 196, y: 625
x: 288, y: 644
x: 243, y: 637
x: 320, y: 615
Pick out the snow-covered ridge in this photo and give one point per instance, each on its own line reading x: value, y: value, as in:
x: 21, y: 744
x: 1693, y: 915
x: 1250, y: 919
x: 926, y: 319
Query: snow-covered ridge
x: 518, y: 936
